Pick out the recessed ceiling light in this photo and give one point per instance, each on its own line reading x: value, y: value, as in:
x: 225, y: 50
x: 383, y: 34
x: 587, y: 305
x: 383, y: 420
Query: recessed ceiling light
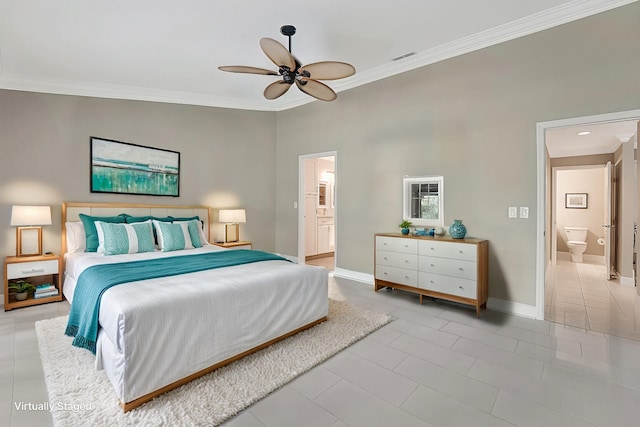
x: 583, y: 133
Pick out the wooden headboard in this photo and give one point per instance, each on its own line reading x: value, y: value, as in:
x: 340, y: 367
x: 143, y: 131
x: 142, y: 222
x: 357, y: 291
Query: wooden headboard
x: 71, y: 212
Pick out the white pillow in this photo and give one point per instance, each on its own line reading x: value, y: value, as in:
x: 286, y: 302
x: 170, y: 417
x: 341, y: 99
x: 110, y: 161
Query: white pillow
x: 173, y: 236
x: 117, y: 239
x: 76, y: 238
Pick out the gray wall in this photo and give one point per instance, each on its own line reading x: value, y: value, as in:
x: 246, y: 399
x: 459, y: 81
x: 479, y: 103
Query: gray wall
x: 227, y: 157
x: 472, y: 119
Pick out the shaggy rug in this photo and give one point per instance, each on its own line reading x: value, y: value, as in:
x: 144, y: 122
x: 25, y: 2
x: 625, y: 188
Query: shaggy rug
x: 80, y: 396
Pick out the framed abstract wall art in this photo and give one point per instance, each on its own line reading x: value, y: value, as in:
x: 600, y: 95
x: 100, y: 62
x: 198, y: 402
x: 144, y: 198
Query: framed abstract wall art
x: 575, y: 200
x: 120, y: 167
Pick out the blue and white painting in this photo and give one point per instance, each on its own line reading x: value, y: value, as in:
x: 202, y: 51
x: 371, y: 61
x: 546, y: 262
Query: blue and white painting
x: 120, y: 167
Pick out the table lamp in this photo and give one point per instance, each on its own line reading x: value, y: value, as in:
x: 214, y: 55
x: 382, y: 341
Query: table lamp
x: 29, y: 220
x: 231, y: 218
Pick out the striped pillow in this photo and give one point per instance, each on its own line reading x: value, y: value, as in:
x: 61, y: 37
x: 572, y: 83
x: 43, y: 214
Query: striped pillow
x: 120, y: 239
x: 173, y: 236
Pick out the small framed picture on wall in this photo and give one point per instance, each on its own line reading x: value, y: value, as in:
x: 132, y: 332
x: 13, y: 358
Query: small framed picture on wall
x: 575, y: 200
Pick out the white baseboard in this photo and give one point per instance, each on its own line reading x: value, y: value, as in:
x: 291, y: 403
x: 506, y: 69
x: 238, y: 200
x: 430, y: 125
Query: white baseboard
x: 354, y: 275
x: 627, y: 281
x: 512, y: 307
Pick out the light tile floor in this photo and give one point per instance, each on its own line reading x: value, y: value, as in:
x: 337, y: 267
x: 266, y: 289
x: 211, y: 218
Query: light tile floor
x: 435, y: 364
x: 578, y: 294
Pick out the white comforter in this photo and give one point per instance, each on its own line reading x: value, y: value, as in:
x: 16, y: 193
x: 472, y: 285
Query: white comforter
x: 155, y: 332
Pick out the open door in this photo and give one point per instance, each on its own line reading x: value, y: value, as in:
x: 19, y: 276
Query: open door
x: 609, y: 221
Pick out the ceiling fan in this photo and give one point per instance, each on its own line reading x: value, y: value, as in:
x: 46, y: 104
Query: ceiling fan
x: 292, y: 71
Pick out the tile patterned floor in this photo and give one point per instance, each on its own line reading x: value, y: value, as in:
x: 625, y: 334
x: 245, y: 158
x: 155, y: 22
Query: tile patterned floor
x: 435, y: 364
x: 578, y: 294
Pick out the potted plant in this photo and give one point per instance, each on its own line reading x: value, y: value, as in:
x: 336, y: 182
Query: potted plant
x: 404, y: 225
x: 22, y: 289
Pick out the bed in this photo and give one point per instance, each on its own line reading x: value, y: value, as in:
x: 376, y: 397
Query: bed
x: 156, y: 334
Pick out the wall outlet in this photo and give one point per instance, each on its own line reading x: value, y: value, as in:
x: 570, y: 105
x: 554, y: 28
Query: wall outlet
x: 295, y: 205
x: 513, y: 212
x: 524, y: 212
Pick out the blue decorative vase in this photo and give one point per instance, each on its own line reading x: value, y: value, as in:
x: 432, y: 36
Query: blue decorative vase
x: 457, y: 229
x: 405, y: 231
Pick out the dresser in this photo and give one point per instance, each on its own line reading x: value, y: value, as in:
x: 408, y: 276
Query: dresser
x: 438, y: 267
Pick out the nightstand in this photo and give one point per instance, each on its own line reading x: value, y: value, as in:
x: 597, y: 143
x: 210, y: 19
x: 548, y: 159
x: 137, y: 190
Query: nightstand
x: 234, y: 245
x: 36, y: 270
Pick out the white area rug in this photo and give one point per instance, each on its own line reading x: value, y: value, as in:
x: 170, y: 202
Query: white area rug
x: 80, y: 396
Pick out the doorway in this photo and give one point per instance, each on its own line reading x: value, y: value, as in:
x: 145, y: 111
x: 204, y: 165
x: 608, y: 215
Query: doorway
x: 581, y: 294
x: 317, y: 210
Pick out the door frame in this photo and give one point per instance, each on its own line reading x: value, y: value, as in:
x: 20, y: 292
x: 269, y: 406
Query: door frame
x: 301, y: 202
x: 541, y: 193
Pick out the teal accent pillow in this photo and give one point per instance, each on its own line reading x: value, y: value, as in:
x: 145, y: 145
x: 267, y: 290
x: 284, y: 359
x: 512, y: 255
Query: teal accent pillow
x: 173, y: 236
x: 194, y: 233
x: 125, y: 238
x: 90, y: 231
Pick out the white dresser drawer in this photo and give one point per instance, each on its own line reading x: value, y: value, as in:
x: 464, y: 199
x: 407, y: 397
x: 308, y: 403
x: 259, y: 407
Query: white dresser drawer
x: 464, y: 288
x: 449, y: 267
x: 397, y: 275
x: 394, y: 244
x: 462, y: 251
x: 31, y: 268
x: 397, y: 259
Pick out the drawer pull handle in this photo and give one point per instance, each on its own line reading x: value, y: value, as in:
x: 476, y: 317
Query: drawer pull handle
x: 385, y: 273
x: 386, y: 258
x: 460, y: 287
x: 34, y: 270
x: 461, y: 269
x: 406, y: 277
x: 406, y: 261
x: 432, y: 265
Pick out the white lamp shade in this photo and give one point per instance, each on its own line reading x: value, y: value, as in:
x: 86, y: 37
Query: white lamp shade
x: 232, y: 216
x: 30, y: 215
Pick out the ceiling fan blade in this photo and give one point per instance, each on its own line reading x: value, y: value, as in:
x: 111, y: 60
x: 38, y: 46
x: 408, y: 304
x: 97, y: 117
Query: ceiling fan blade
x: 328, y: 70
x: 276, y: 89
x: 248, y: 70
x: 277, y: 53
x: 316, y: 89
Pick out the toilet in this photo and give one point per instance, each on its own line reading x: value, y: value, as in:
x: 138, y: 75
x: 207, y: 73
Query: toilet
x: 576, y: 241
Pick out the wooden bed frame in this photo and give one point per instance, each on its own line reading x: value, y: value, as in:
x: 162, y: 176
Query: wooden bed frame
x: 71, y: 212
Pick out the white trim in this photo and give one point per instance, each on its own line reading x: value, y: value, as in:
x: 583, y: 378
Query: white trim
x: 562, y: 14
x: 354, y: 275
x: 512, y: 307
x: 627, y: 281
x: 541, y: 128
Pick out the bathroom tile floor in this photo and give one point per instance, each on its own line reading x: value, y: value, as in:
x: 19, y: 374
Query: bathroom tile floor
x: 578, y: 294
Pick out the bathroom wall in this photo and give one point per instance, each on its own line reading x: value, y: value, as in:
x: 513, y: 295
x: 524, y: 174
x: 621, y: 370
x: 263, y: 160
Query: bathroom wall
x: 584, y: 179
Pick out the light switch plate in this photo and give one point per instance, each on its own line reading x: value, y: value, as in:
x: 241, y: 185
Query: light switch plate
x: 513, y: 212
x: 524, y: 212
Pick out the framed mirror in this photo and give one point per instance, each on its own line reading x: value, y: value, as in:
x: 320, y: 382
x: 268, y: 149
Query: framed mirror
x: 423, y: 202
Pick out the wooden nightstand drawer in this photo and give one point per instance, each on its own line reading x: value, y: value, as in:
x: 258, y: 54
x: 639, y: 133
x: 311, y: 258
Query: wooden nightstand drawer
x: 32, y: 268
x: 36, y: 270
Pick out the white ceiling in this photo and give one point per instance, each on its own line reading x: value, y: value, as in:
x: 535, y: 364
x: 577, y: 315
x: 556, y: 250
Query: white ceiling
x: 169, y: 51
x: 603, y: 138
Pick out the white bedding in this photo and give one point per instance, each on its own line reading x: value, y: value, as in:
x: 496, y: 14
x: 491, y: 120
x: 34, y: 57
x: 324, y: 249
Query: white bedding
x: 155, y: 332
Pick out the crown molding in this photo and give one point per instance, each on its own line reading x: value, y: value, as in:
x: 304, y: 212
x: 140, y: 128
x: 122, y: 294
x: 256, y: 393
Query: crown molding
x: 559, y: 15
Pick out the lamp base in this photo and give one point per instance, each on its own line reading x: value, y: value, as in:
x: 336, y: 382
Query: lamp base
x: 28, y: 241
x: 231, y: 233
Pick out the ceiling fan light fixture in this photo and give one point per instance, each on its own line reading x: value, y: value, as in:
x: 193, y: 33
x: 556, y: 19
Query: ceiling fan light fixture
x: 305, y: 77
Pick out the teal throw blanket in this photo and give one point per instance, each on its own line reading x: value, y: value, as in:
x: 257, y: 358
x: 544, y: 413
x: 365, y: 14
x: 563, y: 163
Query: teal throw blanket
x: 95, y: 280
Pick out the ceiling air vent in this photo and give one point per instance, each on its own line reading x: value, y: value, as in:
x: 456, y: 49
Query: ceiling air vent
x: 403, y: 56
